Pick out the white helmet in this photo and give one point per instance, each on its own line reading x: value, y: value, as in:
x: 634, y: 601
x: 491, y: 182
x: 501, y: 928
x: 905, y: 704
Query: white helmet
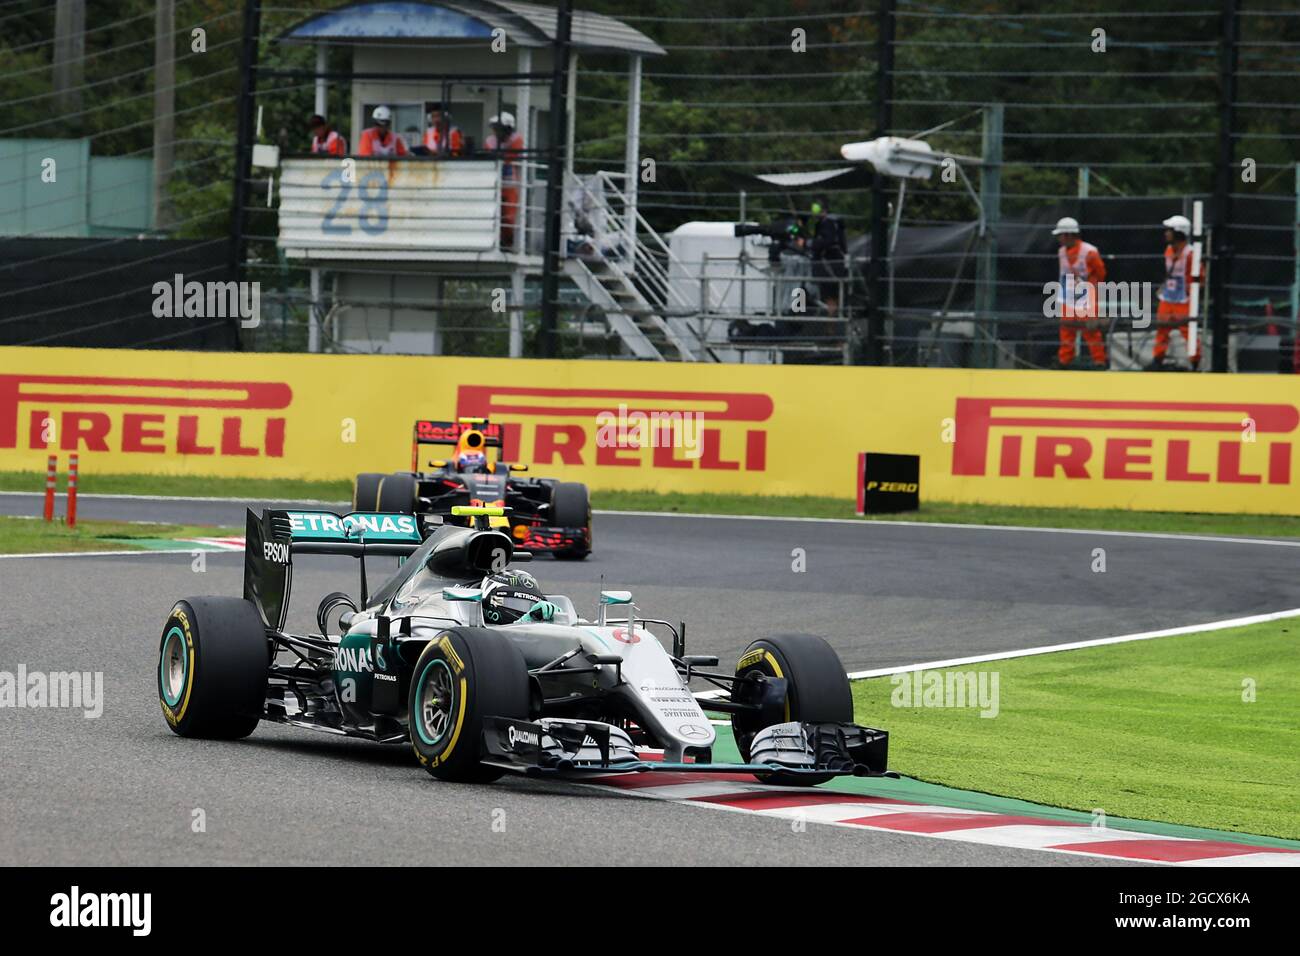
x: 509, y: 595
x: 382, y: 114
x: 1068, y: 224
x: 504, y: 118
x: 1179, y: 224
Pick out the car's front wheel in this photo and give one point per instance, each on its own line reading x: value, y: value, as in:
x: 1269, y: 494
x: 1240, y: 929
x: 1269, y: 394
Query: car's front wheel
x: 463, y: 676
x: 817, y: 690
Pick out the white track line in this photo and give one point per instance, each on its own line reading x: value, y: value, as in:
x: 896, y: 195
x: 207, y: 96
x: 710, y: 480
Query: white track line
x: 1055, y: 648
x: 869, y: 522
x: 1077, y: 645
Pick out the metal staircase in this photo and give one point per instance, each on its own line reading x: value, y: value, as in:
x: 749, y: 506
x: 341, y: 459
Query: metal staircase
x: 633, y: 291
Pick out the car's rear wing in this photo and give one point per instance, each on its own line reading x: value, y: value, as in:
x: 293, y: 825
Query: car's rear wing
x: 428, y: 432
x: 271, y: 540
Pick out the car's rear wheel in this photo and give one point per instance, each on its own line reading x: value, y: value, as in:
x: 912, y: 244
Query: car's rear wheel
x: 463, y: 676
x: 397, y: 493
x: 817, y: 690
x: 212, y: 666
x: 571, y: 508
x: 365, y: 492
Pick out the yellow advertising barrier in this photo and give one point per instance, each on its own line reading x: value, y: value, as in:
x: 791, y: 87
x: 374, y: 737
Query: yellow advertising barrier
x: 1224, y: 443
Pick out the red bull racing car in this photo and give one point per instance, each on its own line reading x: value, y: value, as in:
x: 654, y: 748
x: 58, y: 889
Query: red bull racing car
x: 541, y: 514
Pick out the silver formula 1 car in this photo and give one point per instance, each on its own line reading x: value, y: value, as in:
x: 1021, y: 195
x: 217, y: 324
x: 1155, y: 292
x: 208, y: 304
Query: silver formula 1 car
x: 461, y: 653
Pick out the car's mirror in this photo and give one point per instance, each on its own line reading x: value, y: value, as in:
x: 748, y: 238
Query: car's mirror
x: 700, y: 660
x: 613, y: 598
x: 462, y: 594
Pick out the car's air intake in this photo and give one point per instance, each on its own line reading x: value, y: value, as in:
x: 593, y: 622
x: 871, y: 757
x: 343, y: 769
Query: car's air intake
x: 468, y: 552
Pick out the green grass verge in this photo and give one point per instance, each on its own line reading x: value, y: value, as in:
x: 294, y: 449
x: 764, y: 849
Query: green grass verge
x: 186, y: 485
x: 1151, y: 730
x: 32, y: 536
x: 791, y: 507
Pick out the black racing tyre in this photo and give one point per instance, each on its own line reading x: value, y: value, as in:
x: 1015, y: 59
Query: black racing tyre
x: 571, y: 508
x: 397, y: 493
x: 464, y: 675
x: 212, y: 667
x: 817, y: 689
x: 365, y: 492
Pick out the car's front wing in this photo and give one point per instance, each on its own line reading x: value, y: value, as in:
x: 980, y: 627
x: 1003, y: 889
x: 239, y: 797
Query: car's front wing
x: 550, y: 746
x: 543, y: 538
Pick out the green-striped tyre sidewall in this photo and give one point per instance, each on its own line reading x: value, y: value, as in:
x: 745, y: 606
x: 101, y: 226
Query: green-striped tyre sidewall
x: 173, y: 640
x: 488, y: 678
x: 426, y: 674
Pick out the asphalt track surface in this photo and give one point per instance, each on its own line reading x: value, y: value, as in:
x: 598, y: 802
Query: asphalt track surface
x: 122, y: 789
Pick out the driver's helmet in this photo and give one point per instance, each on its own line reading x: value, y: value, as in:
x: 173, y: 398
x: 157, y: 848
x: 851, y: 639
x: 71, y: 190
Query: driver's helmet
x: 471, y: 461
x: 508, y: 596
